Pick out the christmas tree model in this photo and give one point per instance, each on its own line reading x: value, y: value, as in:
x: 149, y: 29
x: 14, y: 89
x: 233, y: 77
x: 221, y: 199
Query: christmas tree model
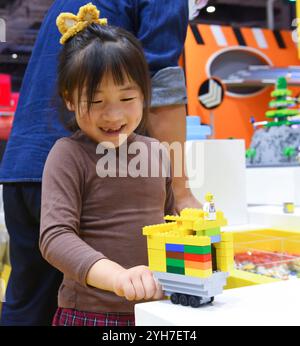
x: 281, y: 113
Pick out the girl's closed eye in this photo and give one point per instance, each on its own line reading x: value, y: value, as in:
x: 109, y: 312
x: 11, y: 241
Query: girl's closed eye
x: 128, y: 98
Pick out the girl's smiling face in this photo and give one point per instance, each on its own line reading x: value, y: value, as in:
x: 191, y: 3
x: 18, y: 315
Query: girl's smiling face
x: 116, y: 110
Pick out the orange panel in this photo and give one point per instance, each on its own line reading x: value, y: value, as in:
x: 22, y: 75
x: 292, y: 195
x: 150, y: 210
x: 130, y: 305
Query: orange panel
x: 230, y: 37
x: 249, y: 37
x: 287, y: 36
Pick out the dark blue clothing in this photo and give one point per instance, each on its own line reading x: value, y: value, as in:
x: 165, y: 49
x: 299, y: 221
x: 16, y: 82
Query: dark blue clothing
x: 31, y: 295
x: 161, y: 27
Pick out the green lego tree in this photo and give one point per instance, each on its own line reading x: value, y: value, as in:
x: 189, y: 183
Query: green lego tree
x: 289, y: 152
x: 250, y: 154
x: 281, y: 113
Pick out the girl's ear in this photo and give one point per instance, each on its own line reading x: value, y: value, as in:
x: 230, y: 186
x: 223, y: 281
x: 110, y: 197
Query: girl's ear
x: 70, y: 105
x: 68, y: 102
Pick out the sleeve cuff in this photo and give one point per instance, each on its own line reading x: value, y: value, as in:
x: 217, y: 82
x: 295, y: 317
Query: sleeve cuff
x: 168, y: 87
x: 88, y: 263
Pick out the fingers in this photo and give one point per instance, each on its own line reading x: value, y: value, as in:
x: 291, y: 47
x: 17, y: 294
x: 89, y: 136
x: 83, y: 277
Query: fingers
x: 149, y: 285
x: 129, y: 290
x: 138, y: 287
x: 138, y: 283
x: 159, y: 293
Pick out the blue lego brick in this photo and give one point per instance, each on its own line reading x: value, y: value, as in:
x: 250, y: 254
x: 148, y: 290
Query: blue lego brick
x: 195, y: 130
x: 215, y: 239
x: 175, y: 247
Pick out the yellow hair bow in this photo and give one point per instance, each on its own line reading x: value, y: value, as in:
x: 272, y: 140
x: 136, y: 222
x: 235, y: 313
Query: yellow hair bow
x: 69, y: 24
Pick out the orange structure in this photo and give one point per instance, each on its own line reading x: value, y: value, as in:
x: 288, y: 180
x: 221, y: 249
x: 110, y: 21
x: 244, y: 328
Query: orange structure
x: 219, y: 51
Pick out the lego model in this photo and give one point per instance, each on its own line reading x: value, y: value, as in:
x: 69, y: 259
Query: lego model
x: 190, y: 256
x: 276, y: 140
x: 281, y: 113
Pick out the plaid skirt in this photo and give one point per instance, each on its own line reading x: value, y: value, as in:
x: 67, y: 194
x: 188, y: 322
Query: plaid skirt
x: 72, y: 317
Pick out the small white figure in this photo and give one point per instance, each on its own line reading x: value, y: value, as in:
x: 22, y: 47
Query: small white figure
x: 209, y: 207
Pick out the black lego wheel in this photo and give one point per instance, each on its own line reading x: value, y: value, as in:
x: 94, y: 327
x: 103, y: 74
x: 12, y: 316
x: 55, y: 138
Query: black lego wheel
x: 183, y: 300
x: 194, y: 301
x: 175, y: 298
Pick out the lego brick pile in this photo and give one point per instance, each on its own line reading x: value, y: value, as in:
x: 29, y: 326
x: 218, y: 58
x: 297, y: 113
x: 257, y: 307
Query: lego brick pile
x: 278, y: 265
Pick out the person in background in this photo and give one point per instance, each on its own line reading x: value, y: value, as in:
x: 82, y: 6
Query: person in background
x: 161, y: 28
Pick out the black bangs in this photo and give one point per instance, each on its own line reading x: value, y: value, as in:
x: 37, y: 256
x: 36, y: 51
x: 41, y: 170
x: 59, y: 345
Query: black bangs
x: 96, y: 52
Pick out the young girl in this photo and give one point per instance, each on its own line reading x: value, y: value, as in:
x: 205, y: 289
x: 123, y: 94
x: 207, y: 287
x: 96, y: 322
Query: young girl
x: 91, y: 224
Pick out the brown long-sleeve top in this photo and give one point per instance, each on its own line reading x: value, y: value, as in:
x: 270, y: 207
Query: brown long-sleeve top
x: 85, y: 217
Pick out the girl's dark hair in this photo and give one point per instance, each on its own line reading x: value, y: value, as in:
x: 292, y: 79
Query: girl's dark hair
x: 95, y: 51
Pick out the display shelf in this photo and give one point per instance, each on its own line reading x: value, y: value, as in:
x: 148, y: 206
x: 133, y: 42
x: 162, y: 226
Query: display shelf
x: 273, y: 186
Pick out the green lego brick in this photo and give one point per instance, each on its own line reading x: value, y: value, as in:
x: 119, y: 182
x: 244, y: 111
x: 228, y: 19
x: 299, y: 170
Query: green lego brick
x: 175, y: 270
x: 200, y: 250
x: 212, y: 231
x: 173, y: 262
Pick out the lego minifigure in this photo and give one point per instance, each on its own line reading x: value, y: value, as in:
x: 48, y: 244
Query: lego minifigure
x: 209, y: 207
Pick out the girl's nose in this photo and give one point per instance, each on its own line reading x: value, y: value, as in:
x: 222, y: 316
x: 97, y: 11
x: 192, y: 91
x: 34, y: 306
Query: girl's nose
x: 112, y: 114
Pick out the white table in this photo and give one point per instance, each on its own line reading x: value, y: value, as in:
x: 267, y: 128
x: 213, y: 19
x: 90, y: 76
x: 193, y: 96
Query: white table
x: 269, y: 304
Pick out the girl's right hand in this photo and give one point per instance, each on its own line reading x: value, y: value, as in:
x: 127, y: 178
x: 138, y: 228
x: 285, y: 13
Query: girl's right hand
x: 137, y: 283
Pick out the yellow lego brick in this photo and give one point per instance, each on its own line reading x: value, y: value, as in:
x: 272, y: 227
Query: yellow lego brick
x: 226, y: 252
x: 157, y: 254
x: 157, y: 260
x: 225, y: 263
x: 194, y: 219
x: 156, y: 242
x: 224, y: 259
x: 188, y: 224
x: 240, y: 278
x: 180, y: 232
x: 209, y: 224
x: 192, y: 213
x: 226, y: 236
x: 198, y: 272
x: 225, y: 267
x: 224, y: 245
x: 159, y: 267
x: 160, y: 228
x: 188, y: 240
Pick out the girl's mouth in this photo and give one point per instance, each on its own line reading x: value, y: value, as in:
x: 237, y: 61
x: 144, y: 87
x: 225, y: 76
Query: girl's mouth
x: 112, y: 131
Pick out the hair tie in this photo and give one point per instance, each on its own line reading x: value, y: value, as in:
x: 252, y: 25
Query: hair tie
x: 70, y: 24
